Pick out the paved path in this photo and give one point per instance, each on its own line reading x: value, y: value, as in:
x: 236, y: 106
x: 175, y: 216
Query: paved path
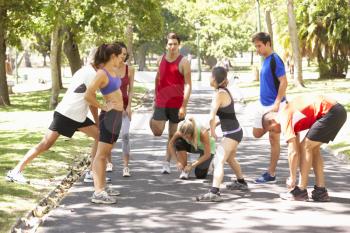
x: 152, y: 202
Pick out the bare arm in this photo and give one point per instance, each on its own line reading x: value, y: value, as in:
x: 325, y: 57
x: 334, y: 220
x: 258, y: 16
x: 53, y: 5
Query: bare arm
x: 171, y: 147
x: 281, y: 92
x: 130, y: 90
x: 156, y: 82
x: 94, y: 112
x: 214, y: 108
x: 188, y: 82
x: 204, y: 137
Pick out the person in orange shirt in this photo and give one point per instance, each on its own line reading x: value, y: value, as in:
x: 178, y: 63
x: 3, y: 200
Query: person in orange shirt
x: 324, y: 118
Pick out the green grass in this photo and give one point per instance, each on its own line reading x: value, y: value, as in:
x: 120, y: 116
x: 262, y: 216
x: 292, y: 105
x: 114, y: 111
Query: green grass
x: 16, y: 200
x: 32, y: 101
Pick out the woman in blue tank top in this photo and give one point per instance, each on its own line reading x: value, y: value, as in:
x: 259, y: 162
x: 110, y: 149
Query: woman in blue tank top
x: 223, y: 106
x: 111, y: 56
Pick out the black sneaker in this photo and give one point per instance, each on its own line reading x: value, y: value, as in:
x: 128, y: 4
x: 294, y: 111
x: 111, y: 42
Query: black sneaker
x: 320, y: 194
x: 295, y: 195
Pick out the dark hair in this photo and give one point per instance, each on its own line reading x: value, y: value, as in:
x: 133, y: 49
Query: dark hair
x: 173, y: 35
x: 122, y: 44
x: 219, y: 73
x: 105, y: 51
x: 264, y: 37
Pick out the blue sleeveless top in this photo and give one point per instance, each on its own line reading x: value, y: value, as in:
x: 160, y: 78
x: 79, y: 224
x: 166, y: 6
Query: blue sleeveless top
x: 113, y: 84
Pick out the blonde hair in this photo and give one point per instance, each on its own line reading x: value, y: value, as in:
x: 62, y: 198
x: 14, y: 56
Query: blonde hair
x: 188, y: 127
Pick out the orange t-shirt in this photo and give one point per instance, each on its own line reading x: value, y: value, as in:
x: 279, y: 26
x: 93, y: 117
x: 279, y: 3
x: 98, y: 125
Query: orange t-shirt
x: 301, y: 113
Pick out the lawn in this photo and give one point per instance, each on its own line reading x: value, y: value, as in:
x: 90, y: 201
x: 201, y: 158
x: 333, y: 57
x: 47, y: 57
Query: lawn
x: 44, y: 172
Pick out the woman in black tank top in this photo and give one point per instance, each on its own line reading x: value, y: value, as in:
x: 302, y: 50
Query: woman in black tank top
x: 223, y: 106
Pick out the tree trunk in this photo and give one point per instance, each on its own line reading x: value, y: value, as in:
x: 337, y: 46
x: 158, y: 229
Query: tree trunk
x: 44, y: 56
x: 293, y: 33
x: 27, y: 61
x: 269, y: 24
x: 129, y: 41
x: 142, y: 56
x: 4, y: 94
x: 55, y: 68
x: 59, y: 61
x: 71, y: 50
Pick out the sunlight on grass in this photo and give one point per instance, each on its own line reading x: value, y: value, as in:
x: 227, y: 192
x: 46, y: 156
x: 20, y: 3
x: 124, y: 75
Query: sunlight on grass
x: 15, y: 200
x: 48, y: 168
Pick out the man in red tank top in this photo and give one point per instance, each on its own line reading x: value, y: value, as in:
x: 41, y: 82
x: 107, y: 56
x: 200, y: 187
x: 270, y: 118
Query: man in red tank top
x: 324, y: 117
x: 172, y: 92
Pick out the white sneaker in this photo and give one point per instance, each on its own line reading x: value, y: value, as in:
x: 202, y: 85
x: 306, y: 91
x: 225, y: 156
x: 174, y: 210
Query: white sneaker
x: 103, y: 198
x: 109, y: 167
x: 126, y: 172
x: 111, y: 191
x: 183, y: 175
x: 89, y: 178
x: 166, y: 168
x: 16, y: 177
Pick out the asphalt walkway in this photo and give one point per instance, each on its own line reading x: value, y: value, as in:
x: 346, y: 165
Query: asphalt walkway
x: 152, y: 202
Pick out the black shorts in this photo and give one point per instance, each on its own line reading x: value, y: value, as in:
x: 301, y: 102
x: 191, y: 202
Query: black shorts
x: 110, y: 124
x: 201, y: 171
x: 326, y: 128
x: 237, y: 136
x: 66, y: 126
x: 165, y: 114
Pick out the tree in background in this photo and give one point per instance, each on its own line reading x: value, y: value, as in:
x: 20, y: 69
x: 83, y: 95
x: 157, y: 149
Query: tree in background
x: 325, y: 34
x: 13, y: 25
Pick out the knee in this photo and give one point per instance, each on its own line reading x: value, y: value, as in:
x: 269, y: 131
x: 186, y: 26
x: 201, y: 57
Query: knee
x: 157, y: 133
x: 258, y: 133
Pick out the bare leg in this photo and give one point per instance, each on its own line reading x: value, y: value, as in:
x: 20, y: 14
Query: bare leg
x: 294, y: 161
x: 306, y: 162
x: 47, y: 142
x: 236, y: 168
x: 275, y: 152
x: 91, y: 131
x: 157, y: 127
x: 172, y: 130
x: 223, y: 151
x: 99, y: 165
x: 182, y: 157
x: 317, y: 165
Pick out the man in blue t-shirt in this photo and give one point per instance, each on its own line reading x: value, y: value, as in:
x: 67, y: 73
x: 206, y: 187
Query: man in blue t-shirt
x: 273, y: 85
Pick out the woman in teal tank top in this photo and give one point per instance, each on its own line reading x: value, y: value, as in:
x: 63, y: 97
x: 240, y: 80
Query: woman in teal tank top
x: 192, y: 138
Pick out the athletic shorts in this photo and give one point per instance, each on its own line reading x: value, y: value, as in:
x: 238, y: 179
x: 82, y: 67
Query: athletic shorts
x: 110, y: 124
x: 260, y: 110
x: 165, y: 114
x: 237, y: 136
x: 66, y: 126
x: 326, y: 128
x: 201, y: 171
